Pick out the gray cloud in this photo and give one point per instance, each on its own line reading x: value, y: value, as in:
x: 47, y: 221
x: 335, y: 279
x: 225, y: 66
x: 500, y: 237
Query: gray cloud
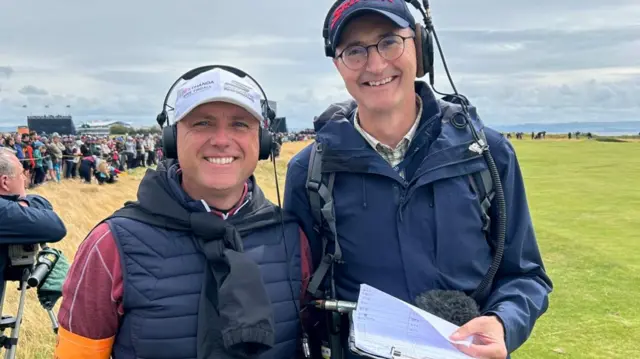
x: 518, y: 61
x: 515, y: 51
x: 31, y: 90
x: 6, y: 71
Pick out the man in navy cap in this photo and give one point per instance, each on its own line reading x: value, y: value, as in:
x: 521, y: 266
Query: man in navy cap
x: 408, y: 206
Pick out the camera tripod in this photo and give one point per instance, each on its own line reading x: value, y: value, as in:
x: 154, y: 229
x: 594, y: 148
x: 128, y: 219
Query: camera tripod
x: 24, y: 275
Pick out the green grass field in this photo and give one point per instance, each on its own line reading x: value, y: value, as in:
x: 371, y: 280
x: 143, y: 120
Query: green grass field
x: 585, y: 202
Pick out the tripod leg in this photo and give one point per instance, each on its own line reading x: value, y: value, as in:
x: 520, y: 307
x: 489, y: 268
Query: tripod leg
x: 4, y: 291
x: 11, y: 352
x: 54, y: 320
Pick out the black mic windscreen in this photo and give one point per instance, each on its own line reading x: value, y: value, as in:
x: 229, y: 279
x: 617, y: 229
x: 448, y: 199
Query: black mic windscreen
x: 451, y: 305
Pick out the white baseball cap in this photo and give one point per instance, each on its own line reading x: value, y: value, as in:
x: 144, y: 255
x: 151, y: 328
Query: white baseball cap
x: 217, y: 85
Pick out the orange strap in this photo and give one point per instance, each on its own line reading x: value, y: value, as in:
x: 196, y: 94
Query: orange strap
x: 73, y: 346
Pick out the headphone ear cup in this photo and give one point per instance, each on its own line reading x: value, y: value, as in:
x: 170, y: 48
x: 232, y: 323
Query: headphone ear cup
x: 428, y: 55
x: 266, y: 144
x: 169, y: 144
x: 161, y: 118
x: 271, y: 115
x: 420, y: 33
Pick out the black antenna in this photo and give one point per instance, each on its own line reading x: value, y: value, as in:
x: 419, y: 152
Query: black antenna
x: 493, y: 169
x: 272, y: 126
x: 275, y: 175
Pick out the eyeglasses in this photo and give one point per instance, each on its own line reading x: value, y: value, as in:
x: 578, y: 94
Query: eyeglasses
x: 389, y: 47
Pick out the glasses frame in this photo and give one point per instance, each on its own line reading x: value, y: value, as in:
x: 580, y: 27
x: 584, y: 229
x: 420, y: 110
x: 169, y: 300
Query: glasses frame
x: 376, y: 45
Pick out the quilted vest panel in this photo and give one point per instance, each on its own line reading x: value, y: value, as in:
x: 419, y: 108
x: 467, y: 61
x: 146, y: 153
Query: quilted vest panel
x: 163, y: 273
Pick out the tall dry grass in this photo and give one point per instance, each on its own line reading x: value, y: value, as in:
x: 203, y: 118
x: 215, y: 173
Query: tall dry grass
x: 81, y: 207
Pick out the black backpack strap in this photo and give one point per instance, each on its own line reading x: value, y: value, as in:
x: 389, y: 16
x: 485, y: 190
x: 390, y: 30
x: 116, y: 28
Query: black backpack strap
x: 320, y: 191
x: 314, y: 181
x: 482, y: 184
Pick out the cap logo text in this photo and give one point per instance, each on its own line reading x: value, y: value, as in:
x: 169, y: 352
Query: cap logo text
x: 346, y: 5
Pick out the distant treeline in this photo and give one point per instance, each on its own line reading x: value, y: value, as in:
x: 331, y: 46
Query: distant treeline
x: 124, y: 130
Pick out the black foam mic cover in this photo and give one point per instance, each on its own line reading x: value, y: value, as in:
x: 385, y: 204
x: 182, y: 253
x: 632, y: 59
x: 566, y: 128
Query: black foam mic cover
x: 451, y: 305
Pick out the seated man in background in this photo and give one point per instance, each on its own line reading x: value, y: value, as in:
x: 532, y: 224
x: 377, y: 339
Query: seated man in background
x: 202, y: 265
x: 24, y: 219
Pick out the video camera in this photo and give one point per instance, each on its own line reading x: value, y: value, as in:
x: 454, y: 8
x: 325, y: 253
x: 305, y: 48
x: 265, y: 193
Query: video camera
x: 29, y: 267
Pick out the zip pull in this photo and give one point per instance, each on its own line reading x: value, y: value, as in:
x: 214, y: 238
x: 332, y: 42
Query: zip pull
x: 306, y: 349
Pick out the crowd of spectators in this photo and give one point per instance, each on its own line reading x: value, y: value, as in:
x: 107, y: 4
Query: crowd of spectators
x: 90, y: 159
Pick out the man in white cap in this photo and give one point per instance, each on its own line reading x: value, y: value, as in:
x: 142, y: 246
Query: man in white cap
x: 202, y: 265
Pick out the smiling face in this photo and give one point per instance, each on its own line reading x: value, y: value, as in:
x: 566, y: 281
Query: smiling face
x: 380, y: 85
x: 218, y: 149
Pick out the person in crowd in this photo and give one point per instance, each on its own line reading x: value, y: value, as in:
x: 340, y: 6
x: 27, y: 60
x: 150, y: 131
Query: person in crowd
x: 105, y: 172
x: 202, y: 264
x: 47, y: 160
x: 407, y: 215
x: 39, y: 152
x: 55, y: 149
x: 87, y: 167
x: 10, y: 142
x: 131, y: 152
x: 67, y: 154
x: 28, y: 163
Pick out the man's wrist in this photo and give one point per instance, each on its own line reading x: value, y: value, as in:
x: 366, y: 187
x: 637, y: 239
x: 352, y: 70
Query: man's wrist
x: 497, y: 317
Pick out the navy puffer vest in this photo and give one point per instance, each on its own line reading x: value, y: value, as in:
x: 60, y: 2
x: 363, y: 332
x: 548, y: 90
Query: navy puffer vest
x: 163, y: 273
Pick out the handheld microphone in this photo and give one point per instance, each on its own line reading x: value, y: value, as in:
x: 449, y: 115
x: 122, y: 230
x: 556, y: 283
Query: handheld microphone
x: 451, y: 305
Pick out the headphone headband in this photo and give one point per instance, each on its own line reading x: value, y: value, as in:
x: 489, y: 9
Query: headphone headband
x: 325, y: 29
x: 268, y: 113
x: 169, y: 133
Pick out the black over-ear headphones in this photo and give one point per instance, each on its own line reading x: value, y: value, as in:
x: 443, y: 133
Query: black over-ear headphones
x: 169, y: 132
x: 424, y: 39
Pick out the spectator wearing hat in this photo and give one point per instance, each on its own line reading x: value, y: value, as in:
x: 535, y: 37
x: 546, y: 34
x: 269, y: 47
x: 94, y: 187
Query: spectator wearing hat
x: 55, y: 149
x: 39, y: 171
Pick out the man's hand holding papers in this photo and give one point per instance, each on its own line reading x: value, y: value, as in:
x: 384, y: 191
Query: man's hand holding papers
x: 488, y: 334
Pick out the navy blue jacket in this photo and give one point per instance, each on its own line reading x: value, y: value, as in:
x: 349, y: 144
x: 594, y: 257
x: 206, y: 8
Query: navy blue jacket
x: 37, y: 223
x: 409, y: 236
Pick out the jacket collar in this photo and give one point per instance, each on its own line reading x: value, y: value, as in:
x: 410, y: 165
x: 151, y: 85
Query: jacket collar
x: 252, y: 202
x: 408, y: 137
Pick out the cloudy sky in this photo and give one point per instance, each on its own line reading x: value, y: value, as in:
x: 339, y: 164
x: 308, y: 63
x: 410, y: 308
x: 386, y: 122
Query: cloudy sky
x: 518, y: 61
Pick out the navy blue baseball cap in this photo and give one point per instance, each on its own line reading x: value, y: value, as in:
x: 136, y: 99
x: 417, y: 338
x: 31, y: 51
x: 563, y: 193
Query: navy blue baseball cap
x: 395, y: 10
